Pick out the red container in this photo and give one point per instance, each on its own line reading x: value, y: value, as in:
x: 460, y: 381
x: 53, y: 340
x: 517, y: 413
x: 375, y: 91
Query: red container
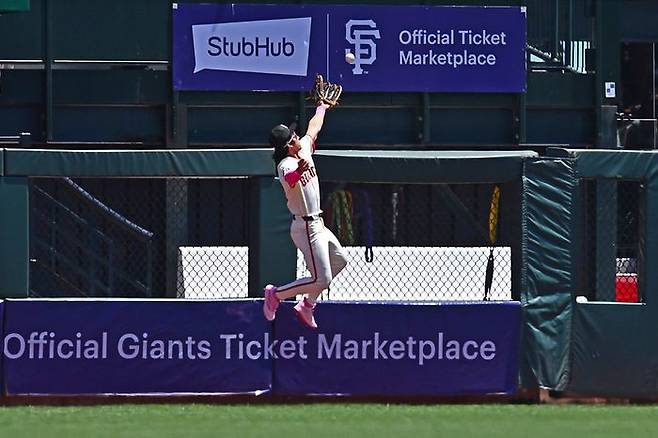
x: 626, y: 288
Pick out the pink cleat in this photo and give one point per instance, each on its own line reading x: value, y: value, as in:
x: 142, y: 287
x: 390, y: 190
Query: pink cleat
x: 271, y: 302
x: 304, y: 311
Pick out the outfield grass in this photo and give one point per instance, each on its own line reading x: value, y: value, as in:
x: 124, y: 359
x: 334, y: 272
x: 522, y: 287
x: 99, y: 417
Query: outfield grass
x: 330, y: 420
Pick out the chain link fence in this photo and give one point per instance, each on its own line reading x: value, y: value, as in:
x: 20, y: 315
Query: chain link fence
x: 420, y: 242
x: 129, y: 237
x: 611, y: 258
x: 156, y: 237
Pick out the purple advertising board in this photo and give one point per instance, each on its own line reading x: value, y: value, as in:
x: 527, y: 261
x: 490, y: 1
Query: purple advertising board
x: 402, y: 350
x: 130, y: 347
x: 395, y: 48
x: 77, y: 347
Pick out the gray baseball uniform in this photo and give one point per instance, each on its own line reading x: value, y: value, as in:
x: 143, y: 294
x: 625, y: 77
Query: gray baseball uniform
x: 322, y: 251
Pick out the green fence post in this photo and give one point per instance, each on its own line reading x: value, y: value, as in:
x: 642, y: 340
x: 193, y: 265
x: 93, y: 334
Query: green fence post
x: 606, y: 222
x: 176, y: 200
x: 14, y: 238
x: 272, y: 255
x: 176, y: 225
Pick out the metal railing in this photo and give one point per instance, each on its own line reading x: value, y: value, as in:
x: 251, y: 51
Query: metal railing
x: 73, y: 255
x: 559, y: 35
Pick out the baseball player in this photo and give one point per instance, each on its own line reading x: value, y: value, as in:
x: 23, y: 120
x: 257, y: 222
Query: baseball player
x: 293, y: 158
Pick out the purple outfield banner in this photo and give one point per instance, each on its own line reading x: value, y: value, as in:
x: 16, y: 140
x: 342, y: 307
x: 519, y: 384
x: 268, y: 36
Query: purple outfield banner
x: 177, y: 346
x: 131, y: 347
x: 395, y: 48
x: 402, y: 350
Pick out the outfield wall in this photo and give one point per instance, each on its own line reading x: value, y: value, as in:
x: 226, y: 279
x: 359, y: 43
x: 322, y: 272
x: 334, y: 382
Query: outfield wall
x: 272, y: 255
x: 92, y: 347
x: 597, y: 348
x: 611, y: 347
x: 457, y: 338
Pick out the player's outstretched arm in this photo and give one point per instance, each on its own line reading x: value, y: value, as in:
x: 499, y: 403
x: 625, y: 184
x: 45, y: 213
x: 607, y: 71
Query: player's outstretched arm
x: 316, y: 122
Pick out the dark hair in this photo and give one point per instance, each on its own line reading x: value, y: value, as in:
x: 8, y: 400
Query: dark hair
x: 279, y: 138
x: 279, y: 154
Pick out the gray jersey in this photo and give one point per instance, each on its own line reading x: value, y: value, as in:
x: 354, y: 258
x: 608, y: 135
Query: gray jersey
x: 304, y: 197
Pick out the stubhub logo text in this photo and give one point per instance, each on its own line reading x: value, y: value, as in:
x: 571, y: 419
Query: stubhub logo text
x: 265, y: 46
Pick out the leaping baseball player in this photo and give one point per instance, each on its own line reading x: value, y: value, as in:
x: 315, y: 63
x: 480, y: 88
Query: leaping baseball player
x: 293, y: 158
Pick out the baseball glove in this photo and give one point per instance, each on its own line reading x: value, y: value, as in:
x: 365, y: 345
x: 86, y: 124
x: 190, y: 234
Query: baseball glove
x: 326, y: 92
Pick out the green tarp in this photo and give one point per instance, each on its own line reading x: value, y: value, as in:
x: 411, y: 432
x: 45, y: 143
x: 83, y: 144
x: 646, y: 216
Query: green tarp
x: 547, y: 281
x: 340, y: 165
x: 145, y: 163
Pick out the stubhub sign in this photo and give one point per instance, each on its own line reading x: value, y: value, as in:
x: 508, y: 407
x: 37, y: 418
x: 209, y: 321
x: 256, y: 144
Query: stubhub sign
x: 396, y: 48
x: 264, y: 46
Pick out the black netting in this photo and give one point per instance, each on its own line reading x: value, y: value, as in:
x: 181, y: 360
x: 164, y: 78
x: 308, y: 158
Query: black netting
x: 130, y: 237
x: 422, y: 242
x: 188, y: 238
x: 611, y: 257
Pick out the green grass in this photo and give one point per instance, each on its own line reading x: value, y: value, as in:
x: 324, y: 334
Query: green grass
x: 330, y: 420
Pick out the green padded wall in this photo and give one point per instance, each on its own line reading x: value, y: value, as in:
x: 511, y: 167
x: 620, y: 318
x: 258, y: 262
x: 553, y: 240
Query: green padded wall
x: 614, y: 346
x: 337, y: 165
x: 547, y: 271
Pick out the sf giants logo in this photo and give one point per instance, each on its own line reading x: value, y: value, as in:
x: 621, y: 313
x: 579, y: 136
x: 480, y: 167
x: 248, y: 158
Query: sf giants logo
x: 361, y: 34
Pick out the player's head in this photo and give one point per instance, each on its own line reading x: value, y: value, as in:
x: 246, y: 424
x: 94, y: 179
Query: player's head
x: 283, y: 140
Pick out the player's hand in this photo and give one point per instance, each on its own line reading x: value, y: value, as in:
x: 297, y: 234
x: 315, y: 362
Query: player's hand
x: 302, y: 166
x: 325, y: 92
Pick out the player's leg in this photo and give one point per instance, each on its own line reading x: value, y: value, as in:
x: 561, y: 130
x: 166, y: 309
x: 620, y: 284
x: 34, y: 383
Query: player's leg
x: 337, y: 260
x: 319, y: 259
x: 329, y: 260
x: 337, y: 256
x: 274, y: 295
x: 312, y: 241
x: 313, y: 244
